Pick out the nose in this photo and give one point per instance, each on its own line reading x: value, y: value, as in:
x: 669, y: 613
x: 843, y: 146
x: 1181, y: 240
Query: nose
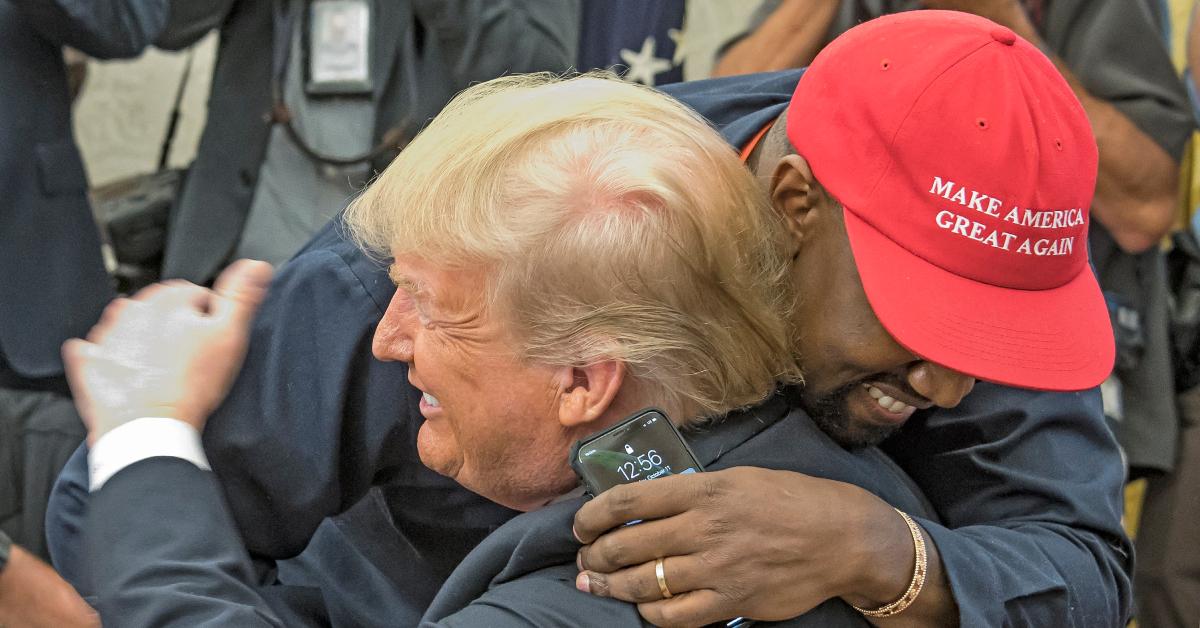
x: 393, y: 339
x: 943, y: 386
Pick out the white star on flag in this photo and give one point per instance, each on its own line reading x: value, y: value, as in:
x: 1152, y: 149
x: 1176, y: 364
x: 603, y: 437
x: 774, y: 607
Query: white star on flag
x: 643, y: 65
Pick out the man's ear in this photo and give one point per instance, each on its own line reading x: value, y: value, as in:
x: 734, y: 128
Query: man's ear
x: 589, y: 392
x: 794, y: 194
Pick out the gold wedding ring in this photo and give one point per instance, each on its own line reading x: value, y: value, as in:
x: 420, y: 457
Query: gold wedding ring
x: 662, y: 578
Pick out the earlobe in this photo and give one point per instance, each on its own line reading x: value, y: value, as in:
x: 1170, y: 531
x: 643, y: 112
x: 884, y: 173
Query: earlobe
x: 589, y: 391
x: 794, y: 194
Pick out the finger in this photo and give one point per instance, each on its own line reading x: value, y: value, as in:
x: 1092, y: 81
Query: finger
x: 175, y: 295
x: 112, y: 313
x: 239, y: 290
x: 152, y: 291
x: 655, y: 499
x: 697, y: 608
x: 633, y: 545
x: 682, y: 574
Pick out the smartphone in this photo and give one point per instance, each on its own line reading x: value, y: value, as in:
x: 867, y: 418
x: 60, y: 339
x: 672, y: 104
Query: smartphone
x: 642, y: 447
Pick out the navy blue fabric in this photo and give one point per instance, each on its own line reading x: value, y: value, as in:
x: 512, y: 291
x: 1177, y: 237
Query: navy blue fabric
x: 613, y: 26
x: 1026, y: 485
x: 524, y: 573
x: 52, y: 280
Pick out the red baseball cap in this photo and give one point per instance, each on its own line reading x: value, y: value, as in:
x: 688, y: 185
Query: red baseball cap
x: 966, y: 167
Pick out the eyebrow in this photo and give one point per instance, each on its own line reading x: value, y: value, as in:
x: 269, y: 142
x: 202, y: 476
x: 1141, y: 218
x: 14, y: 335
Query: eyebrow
x: 409, y: 285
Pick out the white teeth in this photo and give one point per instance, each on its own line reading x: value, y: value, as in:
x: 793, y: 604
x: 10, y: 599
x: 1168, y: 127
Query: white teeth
x: 430, y: 399
x: 895, y: 406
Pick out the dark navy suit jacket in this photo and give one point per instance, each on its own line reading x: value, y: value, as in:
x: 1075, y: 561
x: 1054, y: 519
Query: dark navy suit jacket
x: 1026, y: 484
x: 189, y: 569
x: 52, y: 280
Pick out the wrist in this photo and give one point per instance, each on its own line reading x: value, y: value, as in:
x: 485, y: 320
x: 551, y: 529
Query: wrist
x: 108, y: 422
x: 147, y: 437
x: 880, y: 568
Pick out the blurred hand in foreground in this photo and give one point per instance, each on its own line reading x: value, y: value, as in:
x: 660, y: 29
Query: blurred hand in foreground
x: 32, y: 595
x: 172, y: 350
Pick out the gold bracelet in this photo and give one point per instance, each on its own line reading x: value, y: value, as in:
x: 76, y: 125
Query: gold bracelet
x: 920, y: 566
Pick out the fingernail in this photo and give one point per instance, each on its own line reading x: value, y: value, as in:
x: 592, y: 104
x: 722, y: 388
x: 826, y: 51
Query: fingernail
x: 579, y: 560
x: 583, y: 583
x: 576, y: 535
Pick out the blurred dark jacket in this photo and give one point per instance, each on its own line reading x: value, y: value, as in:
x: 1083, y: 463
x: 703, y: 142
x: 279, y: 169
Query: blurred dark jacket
x: 52, y: 280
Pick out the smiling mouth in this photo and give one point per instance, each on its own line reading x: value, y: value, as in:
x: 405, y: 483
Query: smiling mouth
x: 895, y: 406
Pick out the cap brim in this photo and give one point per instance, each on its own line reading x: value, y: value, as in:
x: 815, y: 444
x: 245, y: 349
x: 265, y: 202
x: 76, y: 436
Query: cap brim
x: 1058, y: 339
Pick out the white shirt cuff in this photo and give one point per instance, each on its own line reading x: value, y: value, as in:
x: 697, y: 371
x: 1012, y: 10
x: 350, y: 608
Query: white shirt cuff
x: 140, y: 439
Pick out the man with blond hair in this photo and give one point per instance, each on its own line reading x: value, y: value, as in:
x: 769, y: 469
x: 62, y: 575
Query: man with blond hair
x: 307, y: 373
x: 566, y: 254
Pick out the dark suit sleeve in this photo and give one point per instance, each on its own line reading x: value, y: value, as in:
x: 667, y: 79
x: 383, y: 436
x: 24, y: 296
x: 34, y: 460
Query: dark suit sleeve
x: 483, y: 39
x: 1117, y: 50
x: 1028, y: 485
x: 543, y: 598
x: 100, y: 28
x: 548, y: 597
x: 164, y: 552
x: 299, y: 438
x: 190, y: 20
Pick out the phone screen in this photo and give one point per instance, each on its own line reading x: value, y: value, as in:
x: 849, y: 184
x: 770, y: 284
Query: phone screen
x: 642, y: 447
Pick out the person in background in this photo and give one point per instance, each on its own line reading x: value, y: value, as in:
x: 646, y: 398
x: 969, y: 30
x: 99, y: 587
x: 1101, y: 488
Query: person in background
x: 311, y: 99
x: 1167, y: 579
x: 53, y: 284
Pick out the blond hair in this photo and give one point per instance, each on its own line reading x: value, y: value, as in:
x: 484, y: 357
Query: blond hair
x: 614, y: 223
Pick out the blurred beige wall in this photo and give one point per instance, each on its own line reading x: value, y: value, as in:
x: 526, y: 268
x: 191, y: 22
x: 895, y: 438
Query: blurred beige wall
x: 707, y: 26
x: 122, y: 113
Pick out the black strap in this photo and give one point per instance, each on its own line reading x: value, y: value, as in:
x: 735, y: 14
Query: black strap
x: 173, y: 123
x: 285, y: 20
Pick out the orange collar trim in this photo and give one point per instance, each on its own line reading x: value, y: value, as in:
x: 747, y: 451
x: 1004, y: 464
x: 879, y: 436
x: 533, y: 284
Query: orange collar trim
x: 749, y: 147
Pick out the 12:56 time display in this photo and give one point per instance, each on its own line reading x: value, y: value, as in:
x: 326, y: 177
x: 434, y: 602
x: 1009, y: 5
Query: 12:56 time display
x: 645, y: 462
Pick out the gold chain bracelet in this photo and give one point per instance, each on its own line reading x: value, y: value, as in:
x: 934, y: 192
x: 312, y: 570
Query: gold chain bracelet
x: 920, y: 566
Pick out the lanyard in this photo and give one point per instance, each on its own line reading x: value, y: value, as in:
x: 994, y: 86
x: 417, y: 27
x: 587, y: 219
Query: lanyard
x: 284, y: 18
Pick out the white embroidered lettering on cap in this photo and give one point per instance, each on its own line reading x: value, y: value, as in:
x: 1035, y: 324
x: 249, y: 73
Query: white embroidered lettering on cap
x: 996, y: 237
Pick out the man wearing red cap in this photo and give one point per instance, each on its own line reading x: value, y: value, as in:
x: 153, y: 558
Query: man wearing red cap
x: 1025, y: 539
x: 935, y: 171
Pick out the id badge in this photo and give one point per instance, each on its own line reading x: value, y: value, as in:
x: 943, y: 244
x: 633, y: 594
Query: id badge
x: 338, y: 42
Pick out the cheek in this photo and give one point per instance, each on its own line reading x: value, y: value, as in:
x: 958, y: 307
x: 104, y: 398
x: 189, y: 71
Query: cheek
x: 451, y: 374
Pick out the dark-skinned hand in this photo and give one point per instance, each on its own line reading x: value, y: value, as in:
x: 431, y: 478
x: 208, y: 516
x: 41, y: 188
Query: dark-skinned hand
x: 748, y: 542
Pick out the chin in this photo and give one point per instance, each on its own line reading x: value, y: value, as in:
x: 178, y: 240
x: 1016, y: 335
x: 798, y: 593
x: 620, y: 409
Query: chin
x: 438, y: 456
x: 858, y: 433
x: 833, y: 415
